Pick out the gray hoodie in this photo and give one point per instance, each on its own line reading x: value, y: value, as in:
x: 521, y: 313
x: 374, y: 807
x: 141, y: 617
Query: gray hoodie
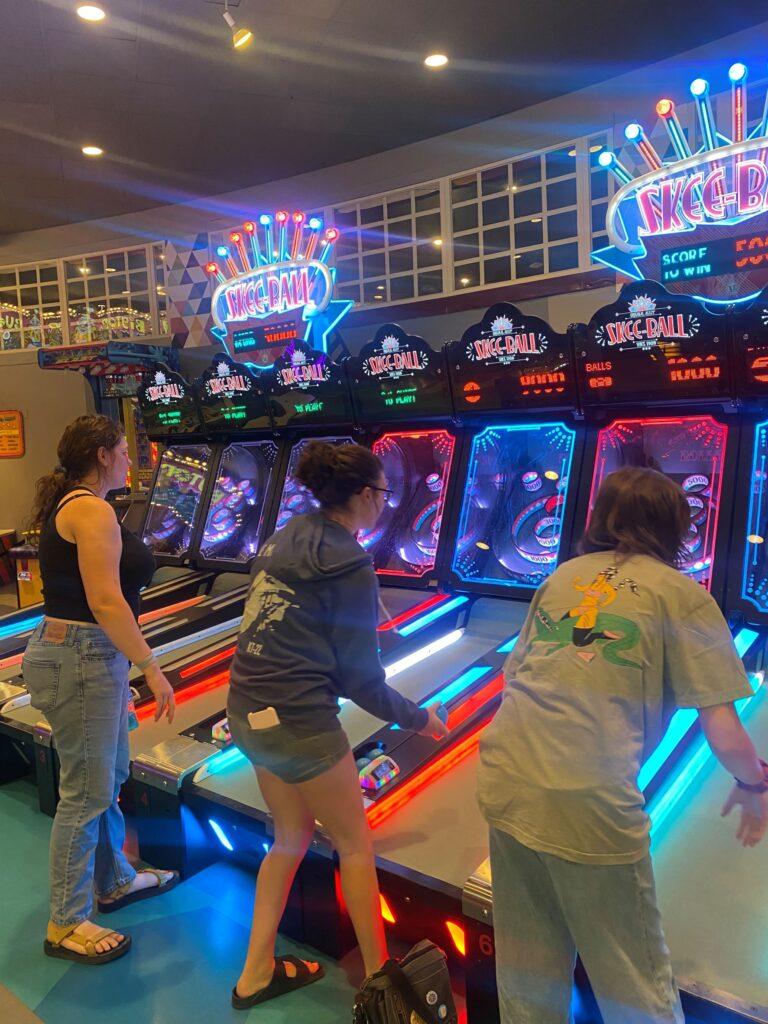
x: 308, y: 634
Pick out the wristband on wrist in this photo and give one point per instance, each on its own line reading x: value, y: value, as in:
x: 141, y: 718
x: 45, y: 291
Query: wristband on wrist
x: 142, y: 666
x: 757, y: 787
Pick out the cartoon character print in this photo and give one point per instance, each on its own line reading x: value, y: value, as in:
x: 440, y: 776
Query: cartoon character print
x: 593, y: 625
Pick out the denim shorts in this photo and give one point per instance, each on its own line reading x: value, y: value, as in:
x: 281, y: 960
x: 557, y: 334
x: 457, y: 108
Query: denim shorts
x: 290, y: 754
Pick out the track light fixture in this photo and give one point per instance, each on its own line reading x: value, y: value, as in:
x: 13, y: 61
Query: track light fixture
x: 240, y: 36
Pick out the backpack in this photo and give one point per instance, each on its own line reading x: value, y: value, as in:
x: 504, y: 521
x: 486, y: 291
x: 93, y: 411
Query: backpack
x: 414, y: 990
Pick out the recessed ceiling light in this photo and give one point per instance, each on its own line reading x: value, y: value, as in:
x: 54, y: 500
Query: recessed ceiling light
x: 378, y: 297
x: 572, y: 152
x: 84, y: 270
x: 437, y: 241
x: 596, y: 148
x: 92, y: 151
x: 90, y: 12
x: 379, y: 287
x: 465, y: 280
x: 111, y: 270
x: 535, y: 220
x: 436, y: 60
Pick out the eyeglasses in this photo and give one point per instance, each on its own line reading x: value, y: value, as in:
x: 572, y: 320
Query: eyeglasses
x: 386, y: 491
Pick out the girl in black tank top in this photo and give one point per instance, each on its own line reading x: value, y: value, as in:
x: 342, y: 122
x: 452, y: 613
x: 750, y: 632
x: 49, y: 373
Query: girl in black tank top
x: 76, y: 669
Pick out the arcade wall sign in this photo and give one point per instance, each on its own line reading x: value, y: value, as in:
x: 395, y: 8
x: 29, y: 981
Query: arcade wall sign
x: 698, y: 224
x: 272, y: 270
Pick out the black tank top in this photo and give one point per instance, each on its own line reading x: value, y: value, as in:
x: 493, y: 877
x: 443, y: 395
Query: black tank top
x: 63, y: 590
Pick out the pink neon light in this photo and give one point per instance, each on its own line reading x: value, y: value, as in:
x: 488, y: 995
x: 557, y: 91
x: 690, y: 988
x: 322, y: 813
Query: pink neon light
x: 412, y: 612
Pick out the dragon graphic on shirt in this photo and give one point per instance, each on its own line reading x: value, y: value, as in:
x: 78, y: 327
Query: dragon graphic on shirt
x: 587, y: 624
x: 267, y: 603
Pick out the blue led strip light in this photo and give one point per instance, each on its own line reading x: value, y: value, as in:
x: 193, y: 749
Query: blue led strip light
x: 455, y: 687
x: 744, y: 639
x: 508, y: 645
x: 20, y: 627
x: 432, y: 616
x: 220, y: 834
x: 226, y: 759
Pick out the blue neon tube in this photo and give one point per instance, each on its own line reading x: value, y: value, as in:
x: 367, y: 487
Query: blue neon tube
x: 220, y: 834
x: 744, y: 640
x: 508, y: 645
x: 432, y: 616
x: 20, y: 627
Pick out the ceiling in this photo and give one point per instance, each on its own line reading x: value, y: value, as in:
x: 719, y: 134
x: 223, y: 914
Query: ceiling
x: 180, y: 114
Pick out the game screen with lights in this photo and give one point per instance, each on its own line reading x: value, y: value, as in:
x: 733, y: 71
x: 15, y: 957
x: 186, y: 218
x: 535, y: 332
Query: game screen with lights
x: 417, y: 465
x: 398, y: 376
x: 651, y: 346
x: 230, y: 398
x: 175, y: 500
x: 235, y: 519
x: 754, y: 585
x: 168, y: 405
x: 307, y: 387
x: 511, y: 525
x: 691, y: 451
x: 750, y: 347
x: 511, y: 361
x: 296, y: 499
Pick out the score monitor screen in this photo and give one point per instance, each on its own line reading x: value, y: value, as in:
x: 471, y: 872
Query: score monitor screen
x: 230, y: 398
x: 511, y: 361
x: 651, y: 346
x: 168, y: 405
x: 175, y: 500
x: 296, y: 499
x: 417, y: 465
x: 235, y: 518
x: 306, y: 387
x: 511, y: 525
x: 688, y: 449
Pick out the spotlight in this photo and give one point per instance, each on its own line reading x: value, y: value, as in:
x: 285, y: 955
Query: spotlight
x: 436, y: 60
x: 90, y: 12
x: 92, y: 151
x: 240, y: 36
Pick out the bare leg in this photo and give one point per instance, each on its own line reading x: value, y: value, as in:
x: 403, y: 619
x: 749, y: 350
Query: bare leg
x: 334, y: 799
x: 294, y: 825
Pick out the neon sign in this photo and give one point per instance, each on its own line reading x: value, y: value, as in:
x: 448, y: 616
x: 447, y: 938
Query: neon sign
x: 694, y: 203
x: 264, y: 275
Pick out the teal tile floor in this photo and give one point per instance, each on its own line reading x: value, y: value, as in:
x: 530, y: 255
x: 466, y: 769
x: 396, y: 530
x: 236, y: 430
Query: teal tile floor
x: 186, y: 955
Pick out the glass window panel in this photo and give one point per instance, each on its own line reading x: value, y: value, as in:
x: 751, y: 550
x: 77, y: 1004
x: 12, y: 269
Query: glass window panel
x: 496, y: 240
x: 465, y: 218
x: 528, y: 232
x: 372, y: 238
x: 29, y: 296
x: 139, y: 283
x: 428, y: 255
x: 599, y: 212
x: 563, y: 257
x: 562, y: 225
x: 464, y: 188
x: 137, y: 259
x: 116, y: 283
x: 347, y: 243
x: 28, y: 276
x: 596, y: 147
x: 115, y: 263
x: 529, y: 264
x: 140, y: 303
x: 48, y: 273
x: 599, y: 241
x: 49, y: 293
x: 561, y: 194
x: 350, y: 291
x: 599, y: 184
x: 497, y: 270
x: 345, y: 219
x: 97, y: 288
x: 400, y: 260
x: 561, y: 161
x: 8, y: 279
x: 374, y: 291
x: 429, y: 199
x: 467, y: 275
x: 398, y: 207
x: 371, y: 214
x: 528, y: 203
x: 495, y: 179
x: 53, y: 335
x: 79, y: 323
x: 176, y: 499
x: 428, y: 228
x: 75, y: 270
x: 347, y: 270
x: 76, y: 290
x: 401, y: 287
x: 11, y: 340
x: 400, y: 231
x: 467, y: 247
x: 526, y: 172
x: 374, y: 266
x: 496, y: 210
x: 431, y: 283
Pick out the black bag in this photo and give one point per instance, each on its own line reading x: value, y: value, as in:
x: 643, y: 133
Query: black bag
x: 415, y: 990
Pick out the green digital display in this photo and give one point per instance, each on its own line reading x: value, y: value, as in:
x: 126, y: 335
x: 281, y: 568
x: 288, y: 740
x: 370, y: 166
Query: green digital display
x: 169, y: 417
x: 308, y: 408
x: 235, y: 412
x: 401, y: 396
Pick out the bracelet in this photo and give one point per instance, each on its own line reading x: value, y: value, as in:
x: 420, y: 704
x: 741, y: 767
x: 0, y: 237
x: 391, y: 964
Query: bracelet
x: 757, y: 787
x: 142, y: 666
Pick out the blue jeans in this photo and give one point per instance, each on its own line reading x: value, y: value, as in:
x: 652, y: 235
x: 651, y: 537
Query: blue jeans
x: 79, y: 680
x: 545, y: 909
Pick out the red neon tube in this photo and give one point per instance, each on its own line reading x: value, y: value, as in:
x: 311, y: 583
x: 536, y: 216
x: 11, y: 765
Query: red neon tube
x: 386, y: 807
x: 215, y: 659
x: 417, y: 610
x: 171, y: 609
x: 182, y: 696
x: 476, y: 701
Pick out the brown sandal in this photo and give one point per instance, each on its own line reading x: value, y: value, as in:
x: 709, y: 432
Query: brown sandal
x: 52, y: 945
x: 122, y: 897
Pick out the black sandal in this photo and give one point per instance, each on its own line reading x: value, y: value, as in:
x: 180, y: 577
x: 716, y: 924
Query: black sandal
x: 281, y: 984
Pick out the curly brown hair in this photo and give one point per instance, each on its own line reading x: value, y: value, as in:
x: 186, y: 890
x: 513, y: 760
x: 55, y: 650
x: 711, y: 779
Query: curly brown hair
x: 333, y: 473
